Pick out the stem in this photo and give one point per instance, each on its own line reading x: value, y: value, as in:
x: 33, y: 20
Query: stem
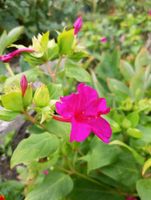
x: 9, y: 69
x: 59, y: 118
x: 33, y: 120
x: 57, y: 67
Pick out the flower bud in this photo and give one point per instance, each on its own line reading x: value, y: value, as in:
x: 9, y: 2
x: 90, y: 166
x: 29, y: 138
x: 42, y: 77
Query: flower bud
x: 41, y: 96
x: 27, y: 98
x: 23, y: 84
x: 2, y: 197
x: 78, y: 25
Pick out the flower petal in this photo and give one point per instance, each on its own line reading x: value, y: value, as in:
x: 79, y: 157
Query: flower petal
x: 101, y: 128
x: 67, y: 106
x: 79, y: 131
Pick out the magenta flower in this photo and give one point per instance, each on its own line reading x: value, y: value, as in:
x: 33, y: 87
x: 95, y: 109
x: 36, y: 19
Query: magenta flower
x: 149, y: 12
x: 103, y: 40
x: 23, y: 84
x: 9, y: 56
x: 131, y: 198
x: 78, y: 25
x: 83, y: 110
x: 46, y: 172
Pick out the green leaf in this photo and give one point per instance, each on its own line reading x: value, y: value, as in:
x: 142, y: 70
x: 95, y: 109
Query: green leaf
x: 58, y: 128
x: 146, y: 166
x: 126, y: 70
x: 122, y: 169
x: 86, y: 190
x: 137, y: 87
x: 73, y: 70
x: 143, y: 187
x: 3, y: 40
x: 138, y: 157
x: 65, y: 42
x: 142, y: 59
x: 134, y: 132
x: 8, y: 115
x: 118, y: 88
x: 133, y: 117
x: 33, y: 148
x: 14, y: 34
x: 55, y: 90
x: 100, y: 155
x: 44, y: 41
x: 13, y: 101
x: 54, y: 187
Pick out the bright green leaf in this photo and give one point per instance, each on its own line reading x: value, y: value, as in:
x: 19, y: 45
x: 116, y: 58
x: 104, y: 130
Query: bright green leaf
x: 13, y: 101
x: 146, y: 166
x: 33, y: 148
x: 65, y: 42
x: 143, y: 187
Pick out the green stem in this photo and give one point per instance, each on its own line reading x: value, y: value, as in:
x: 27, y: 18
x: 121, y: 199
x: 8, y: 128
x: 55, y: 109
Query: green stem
x: 57, y: 67
x: 33, y: 120
x: 9, y: 69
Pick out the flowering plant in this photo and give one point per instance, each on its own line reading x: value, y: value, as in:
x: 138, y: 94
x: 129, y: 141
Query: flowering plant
x: 61, y: 103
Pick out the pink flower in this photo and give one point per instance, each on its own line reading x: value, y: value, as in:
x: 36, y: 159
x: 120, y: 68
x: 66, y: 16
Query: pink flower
x: 83, y: 110
x: 103, y: 40
x: 9, y: 56
x: 130, y: 198
x: 45, y: 172
x: 149, y: 12
x: 78, y: 25
x: 23, y: 84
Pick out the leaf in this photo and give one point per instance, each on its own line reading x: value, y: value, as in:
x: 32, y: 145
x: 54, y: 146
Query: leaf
x: 138, y: 157
x: 33, y: 148
x: 14, y: 34
x: 142, y: 59
x: 122, y: 169
x: 133, y: 117
x: 73, y: 70
x: 137, y: 87
x: 86, y: 190
x: 134, y: 132
x: 8, y: 115
x: 100, y: 155
x: 13, y: 101
x: 54, y: 187
x: 126, y: 70
x: 143, y: 187
x: 65, y: 42
x: 44, y: 41
x: 55, y: 90
x: 3, y: 40
x: 60, y: 129
x: 146, y: 166
x: 31, y: 75
x: 118, y: 88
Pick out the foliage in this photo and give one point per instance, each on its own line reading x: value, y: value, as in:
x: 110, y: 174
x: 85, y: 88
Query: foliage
x: 49, y: 166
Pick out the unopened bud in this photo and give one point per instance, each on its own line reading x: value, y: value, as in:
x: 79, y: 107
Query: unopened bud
x: 23, y: 84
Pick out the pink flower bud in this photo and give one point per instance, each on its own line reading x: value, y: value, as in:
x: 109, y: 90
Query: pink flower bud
x: 23, y: 84
x: 9, y: 56
x: 103, y: 40
x: 78, y: 25
x: 149, y: 12
x: 131, y: 198
x: 45, y: 172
